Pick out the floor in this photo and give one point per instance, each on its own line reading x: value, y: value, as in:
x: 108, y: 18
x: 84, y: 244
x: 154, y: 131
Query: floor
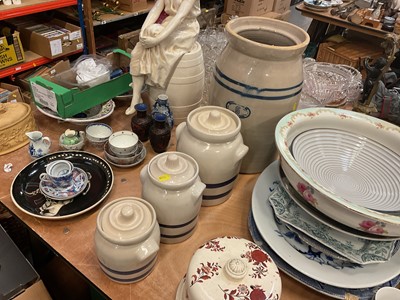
x: 297, y: 19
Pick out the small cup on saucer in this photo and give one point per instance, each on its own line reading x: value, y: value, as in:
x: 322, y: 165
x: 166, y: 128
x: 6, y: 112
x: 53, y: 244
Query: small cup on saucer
x: 123, y: 143
x: 59, y: 172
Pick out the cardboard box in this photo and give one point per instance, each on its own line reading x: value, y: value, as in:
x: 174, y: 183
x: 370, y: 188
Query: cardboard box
x: 68, y: 102
x: 13, y: 93
x: 132, y: 5
x: 127, y: 41
x: 281, y: 6
x: 35, y: 291
x: 11, y: 51
x: 279, y: 16
x: 51, y: 69
x: 51, y: 39
x: 243, y: 8
x: 273, y: 15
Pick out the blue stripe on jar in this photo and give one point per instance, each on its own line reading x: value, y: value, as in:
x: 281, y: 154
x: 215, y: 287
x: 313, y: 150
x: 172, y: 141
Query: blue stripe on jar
x: 108, y: 270
x: 176, y: 236
x: 221, y: 184
x: 179, y: 225
x: 215, y: 197
x: 259, y: 97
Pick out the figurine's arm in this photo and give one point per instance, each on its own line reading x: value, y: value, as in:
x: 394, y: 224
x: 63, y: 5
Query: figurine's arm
x: 181, y: 14
x: 153, y: 14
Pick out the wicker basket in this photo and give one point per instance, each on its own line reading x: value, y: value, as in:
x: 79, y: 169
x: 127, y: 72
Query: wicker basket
x: 351, y: 53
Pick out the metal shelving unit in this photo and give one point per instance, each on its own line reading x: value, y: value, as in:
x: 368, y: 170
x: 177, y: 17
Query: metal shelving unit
x: 29, y: 7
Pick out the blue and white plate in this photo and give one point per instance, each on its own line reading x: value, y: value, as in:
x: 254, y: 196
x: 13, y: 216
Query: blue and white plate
x: 79, y: 182
x: 326, y: 257
x: 358, y: 250
x: 326, y: 289
x: 346, y: 278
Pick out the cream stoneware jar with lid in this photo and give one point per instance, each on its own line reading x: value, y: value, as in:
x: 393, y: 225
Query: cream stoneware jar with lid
x: 127, y: 239
x: 230, y: 268
x: 211, y: 135
x: 171, y: 183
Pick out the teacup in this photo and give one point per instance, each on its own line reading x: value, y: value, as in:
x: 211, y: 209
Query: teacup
x: 123, y: 143
x: 59, y: 172
x: 387, y: 293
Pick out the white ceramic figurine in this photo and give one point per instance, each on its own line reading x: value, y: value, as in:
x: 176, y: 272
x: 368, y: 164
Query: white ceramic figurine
x: 169, y: 31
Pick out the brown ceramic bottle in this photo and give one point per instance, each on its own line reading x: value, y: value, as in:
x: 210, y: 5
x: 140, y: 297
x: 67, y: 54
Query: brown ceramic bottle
x: 141, y: 122
x: 160, y: 133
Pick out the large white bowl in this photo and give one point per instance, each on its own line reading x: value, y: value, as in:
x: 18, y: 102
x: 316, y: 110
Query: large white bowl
x: 333, y: 178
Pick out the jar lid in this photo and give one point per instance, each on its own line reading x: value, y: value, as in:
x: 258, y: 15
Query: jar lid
x: 126, y: 220
x: 232, y: 268
x: 13, y: 113
x: 213, y: 123
x: 173, y: 169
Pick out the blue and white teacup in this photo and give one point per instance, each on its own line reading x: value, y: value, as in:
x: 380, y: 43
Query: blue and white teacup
x: 59, y: 172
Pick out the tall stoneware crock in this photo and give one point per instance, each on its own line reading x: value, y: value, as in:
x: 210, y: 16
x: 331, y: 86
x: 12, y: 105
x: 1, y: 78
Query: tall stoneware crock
x: 211, y: 135
x: 259, y: 76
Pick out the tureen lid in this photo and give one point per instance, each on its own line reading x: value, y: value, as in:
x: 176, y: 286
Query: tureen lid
x: 127, y: 220
x: 213, y: 122
x: 12, y: 113
x: 232, y: 268
x: 173, y: 169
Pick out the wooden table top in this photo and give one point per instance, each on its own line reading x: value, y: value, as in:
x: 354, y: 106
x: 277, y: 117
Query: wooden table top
x: 73, y: 238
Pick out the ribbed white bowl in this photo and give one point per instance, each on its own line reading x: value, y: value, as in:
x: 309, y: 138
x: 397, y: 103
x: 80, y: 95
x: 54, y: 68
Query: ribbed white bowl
x: 346, y: 164
x: 352, y: 167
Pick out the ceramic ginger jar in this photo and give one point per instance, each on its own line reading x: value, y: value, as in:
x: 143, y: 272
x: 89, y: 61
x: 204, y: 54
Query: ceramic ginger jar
x: 171, y: 183
x: 211, y: 135
x: 230, y: 268
x: 259, y: 76
x: 127, y: 239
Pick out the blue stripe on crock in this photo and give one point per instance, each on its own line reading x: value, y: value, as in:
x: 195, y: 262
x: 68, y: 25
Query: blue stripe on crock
x: 177, y: 226
x: 132, y: 278
x: 214, y: 197
x: 221, y: 184
x: 175, y: 236
x: 124, y: 273
x: 247, y: 87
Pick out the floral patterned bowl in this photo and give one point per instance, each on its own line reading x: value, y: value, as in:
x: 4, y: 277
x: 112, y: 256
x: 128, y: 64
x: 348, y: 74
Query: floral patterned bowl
x: 361, y: 198
x: 230, y: 268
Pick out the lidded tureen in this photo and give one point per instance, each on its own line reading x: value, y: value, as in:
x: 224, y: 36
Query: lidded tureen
x: 230, y: 268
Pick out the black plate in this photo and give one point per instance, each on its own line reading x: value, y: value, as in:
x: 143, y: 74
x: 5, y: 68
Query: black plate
x: 27, y: 197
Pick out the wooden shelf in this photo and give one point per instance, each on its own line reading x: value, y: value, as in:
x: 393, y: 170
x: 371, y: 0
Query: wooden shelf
x: 32, y: 60
x: 28, y: 7
x: 106, y: 18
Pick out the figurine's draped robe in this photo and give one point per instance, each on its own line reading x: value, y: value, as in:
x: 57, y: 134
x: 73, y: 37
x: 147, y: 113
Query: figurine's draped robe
x: 159, y: 62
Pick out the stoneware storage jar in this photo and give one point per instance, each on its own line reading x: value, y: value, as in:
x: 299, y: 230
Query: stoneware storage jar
x: 211, y: 135
x: 259, y: 76
x: 127, y: 239
x: 171, y: 183
x: 230, y: 268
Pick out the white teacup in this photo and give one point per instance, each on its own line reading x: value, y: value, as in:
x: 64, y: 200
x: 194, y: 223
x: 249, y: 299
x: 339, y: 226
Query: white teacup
x: 387, y: 293
x: 59, y: 172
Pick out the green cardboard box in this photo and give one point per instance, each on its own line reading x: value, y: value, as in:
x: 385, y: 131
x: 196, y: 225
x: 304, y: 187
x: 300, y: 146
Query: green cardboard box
x: 68, y: 102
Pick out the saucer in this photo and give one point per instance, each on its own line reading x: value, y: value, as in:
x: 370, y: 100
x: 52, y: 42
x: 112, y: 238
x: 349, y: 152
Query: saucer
x: 125, y: 162
x: 79, y: 182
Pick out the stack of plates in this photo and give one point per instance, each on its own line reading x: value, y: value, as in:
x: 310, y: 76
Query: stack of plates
x: 346, y: 270
x: 317, y: 5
